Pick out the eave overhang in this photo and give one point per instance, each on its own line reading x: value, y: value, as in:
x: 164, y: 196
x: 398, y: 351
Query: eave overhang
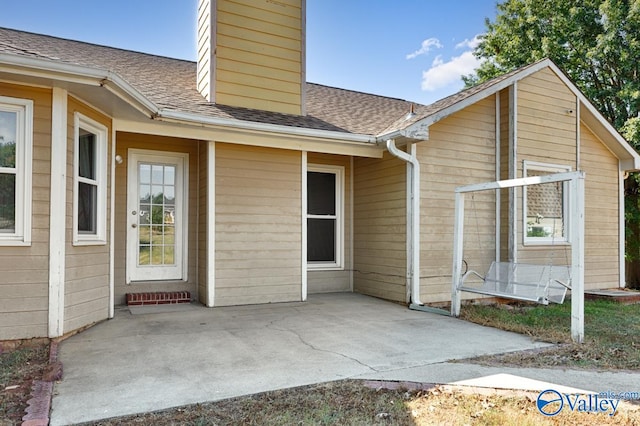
x: 78, y: 78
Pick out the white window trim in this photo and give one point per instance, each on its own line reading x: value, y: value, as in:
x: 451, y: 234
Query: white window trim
x: 99, y: 238
x: 23, y: 171
x: 551, y: 168
x: 338, y: 171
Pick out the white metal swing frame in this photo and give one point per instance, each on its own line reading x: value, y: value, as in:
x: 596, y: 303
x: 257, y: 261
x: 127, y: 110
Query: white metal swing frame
x: 546, y: 285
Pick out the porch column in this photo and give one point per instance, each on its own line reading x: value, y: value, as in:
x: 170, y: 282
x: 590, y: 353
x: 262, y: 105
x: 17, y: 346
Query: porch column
x: 211, y: 223
x: 57, y: 212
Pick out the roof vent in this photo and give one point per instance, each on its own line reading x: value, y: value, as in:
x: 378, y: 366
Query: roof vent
x: 411, y: 113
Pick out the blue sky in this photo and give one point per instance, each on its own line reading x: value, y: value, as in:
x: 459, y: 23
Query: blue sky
x: 410, y: 49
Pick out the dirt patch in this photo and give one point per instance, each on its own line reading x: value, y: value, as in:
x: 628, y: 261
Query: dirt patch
x: 21, y: 363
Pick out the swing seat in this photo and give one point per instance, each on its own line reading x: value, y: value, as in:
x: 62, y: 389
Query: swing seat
x: 520, y: 281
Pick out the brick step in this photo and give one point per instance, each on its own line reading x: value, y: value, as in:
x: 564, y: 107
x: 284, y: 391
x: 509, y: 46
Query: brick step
x: 158, y: 298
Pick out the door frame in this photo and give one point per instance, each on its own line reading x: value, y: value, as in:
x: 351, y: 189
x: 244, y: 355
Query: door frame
x: 182, y: 183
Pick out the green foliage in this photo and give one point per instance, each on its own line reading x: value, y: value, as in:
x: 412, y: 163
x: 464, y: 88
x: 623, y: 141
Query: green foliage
x: 7, y: 154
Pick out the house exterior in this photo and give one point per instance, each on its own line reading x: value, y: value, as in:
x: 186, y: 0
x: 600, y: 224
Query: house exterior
x: 235, y: 180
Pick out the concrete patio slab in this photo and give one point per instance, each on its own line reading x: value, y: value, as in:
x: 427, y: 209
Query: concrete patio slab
x: 154, y: 359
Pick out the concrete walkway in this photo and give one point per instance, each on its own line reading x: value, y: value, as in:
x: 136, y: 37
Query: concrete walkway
x: 152, y: 359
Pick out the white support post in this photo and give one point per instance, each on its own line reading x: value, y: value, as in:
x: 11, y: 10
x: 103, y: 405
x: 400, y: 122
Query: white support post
x: 577, y: 259
x: 57, y: 212
x: 458, y: 232
x: 211, y: 224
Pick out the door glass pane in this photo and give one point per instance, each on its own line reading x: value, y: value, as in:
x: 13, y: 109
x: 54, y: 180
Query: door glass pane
x: 8, y: 139
x: 7, y: 203
x: 157, y: 209
x: 321, y: 240
x: 321, y: 193
x: 145, y: 174
x: 144, y: 256
x: 157, y: 174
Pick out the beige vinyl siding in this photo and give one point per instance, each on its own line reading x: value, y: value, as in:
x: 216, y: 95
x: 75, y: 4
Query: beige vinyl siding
x: 124, y: 141
x: 380, y: 216
x: 258, y: 225
x: 546, y: 133
x: 460, y: 151
x: 259, y: 55
x: 601, y: 212
x: 86, y: 287
x: 24, y: 271
x: 332, y: 281
x: 203, y: 217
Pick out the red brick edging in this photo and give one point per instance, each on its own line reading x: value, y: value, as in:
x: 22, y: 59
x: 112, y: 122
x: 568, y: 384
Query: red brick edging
x: 39, y: 406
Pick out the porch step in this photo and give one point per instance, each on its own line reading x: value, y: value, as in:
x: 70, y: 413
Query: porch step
x: 158, y: 298
x: 619, y: 295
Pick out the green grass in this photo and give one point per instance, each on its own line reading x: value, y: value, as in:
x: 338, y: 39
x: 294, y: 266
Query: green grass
x: 612, y: 332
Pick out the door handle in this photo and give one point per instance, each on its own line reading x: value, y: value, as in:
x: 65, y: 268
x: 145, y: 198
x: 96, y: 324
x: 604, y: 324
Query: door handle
x: 134, y: 225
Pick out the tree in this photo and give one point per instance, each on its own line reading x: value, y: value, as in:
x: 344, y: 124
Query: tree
x: 597, y: 43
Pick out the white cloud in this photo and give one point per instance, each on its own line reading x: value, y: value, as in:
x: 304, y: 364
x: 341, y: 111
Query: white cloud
x: 427, y: 46
x: 470, y: 44
x: 442, y: 74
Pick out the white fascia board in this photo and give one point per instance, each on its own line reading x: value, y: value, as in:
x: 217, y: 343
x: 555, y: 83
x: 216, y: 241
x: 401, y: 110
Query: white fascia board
x: 250, y: 137
x: 186, y: 117
x: 419, y: 129
x: 61, y: 71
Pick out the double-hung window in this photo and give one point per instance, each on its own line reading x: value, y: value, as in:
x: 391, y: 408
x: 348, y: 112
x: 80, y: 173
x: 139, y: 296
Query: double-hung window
x: 324, y: 217
x: 90, y: 182
x: 16, y: 136
x: 545, y: 206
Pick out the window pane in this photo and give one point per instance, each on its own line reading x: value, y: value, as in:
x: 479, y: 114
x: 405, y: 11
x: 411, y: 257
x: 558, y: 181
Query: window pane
x: 321, y: 193
x: 7, y: 203
x: 87, y: 208
x: 545, y: 206
x: 8, y: 139
x: 321, y: 240
x: 87, y: 155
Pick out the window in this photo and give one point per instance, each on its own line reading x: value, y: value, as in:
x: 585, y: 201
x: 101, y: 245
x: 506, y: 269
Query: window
x: 324, y: 217
x: 90, y: 182
x: 545, y: 206
x: 16, y: 124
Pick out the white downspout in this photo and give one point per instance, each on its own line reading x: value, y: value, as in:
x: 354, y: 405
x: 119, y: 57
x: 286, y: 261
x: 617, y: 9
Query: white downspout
x: 413, y: 267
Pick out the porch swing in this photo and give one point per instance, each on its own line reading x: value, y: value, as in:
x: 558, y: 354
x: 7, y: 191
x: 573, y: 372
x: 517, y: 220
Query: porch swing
x: 539, y: 283
x: 536, y: 283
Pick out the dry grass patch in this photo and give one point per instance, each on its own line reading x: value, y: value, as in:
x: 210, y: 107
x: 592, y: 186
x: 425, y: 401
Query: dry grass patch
x: 351, y: 403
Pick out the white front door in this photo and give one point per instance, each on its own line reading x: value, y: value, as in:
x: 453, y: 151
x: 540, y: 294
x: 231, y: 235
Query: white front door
x: 156, y: 215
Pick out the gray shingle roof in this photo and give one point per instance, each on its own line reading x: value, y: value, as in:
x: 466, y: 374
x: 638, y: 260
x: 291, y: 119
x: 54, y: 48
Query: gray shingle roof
x: 171, y: 84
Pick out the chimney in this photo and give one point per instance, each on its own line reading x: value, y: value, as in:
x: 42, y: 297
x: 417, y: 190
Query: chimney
x: 251, y: 53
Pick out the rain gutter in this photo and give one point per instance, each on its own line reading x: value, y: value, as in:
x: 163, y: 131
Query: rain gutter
x: 413, y: 220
